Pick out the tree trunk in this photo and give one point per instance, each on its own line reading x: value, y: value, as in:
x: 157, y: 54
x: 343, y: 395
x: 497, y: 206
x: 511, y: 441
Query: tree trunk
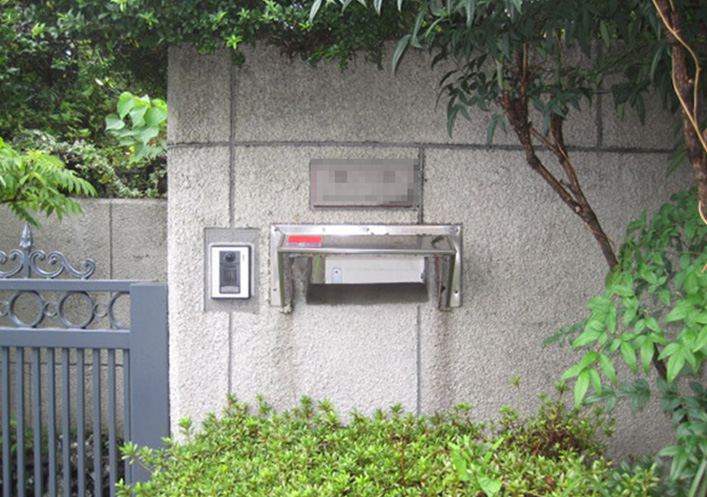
x: 569, y: 190
x: 684, y: 86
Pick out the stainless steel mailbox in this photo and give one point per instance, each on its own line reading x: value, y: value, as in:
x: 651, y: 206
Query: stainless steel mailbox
x: 442, y: 243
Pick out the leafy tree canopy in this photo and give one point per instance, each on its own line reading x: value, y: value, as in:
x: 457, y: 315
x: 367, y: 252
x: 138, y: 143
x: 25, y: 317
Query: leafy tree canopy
x: 60, y: 67
x: 35, y: 182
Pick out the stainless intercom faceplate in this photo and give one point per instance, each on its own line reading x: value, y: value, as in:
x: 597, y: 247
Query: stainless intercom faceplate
x: 230, y: 271
x: 219, y: 294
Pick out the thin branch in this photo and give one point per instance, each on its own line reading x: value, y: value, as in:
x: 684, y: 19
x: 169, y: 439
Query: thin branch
x: 691, y: 114
x: 543, y: 139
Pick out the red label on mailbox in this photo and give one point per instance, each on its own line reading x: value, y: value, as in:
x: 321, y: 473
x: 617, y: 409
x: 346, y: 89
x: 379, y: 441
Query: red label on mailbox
x: 304, y: 241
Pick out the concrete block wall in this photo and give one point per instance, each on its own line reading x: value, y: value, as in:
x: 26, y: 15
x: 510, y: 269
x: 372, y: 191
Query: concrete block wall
x: 241, y: 140
x: 127, y: 239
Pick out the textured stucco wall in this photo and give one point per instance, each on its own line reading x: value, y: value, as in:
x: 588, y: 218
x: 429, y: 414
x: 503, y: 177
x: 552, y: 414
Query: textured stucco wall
x: 240, y: 144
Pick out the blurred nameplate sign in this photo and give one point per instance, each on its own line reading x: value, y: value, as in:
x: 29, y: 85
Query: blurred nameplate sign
x: 364, y: 183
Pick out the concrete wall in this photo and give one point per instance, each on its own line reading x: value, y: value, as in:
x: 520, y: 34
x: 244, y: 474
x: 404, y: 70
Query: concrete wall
x: 241, y: 141
x: 127, y: 239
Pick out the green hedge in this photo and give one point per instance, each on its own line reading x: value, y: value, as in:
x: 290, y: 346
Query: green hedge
x: 310, y: 452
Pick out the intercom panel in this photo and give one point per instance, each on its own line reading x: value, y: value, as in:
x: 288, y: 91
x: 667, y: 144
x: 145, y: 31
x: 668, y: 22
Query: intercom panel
x: 230, y: 271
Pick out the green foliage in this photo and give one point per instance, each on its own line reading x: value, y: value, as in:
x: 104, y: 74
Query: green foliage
x: 26, y: 444
x: 35, y: 182
x: 653, y: 313
x: 140, y: 125
x: 309, y: 451
x: 488, y: 37
x: 107, y: 168
x: 63, y: 62
x: 62, y: 67
x: 545, y: 51
x: 213, y: 24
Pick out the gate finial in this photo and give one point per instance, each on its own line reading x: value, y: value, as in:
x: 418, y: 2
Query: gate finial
x: 27, y: 261
x: 26, y: 239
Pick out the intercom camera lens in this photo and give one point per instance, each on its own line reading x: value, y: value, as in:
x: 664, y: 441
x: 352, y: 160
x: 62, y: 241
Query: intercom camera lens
x: 229, y: 257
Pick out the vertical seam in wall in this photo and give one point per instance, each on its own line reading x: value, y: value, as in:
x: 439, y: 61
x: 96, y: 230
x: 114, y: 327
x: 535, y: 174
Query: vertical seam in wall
x: 111, y: 227
x: 418, y: 354
x: 418, y: 361
x: 599, y: 114
x: 231, y: 198
x: 421, y: 177
x: 230, y: 355
x: 231, y: 144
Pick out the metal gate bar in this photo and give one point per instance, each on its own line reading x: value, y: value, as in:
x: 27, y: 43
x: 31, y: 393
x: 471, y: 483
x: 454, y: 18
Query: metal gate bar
x: 80, y: 383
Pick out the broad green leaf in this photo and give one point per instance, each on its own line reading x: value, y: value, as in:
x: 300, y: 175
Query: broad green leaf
x: 653, y: 325
x: 589, y: 358
x: 648, y: 275
x: 400, y: 50
x: 155, y: 116
x: 611, y: 321
x: 147, y: 134
x: 572, y: 372
x: 607, y: 367
x: 113, y: 122
x: 470, y: 9
x: 581, y: 386
x: 664, y: 296
x: 640, y: 326
x: 701, y: 340
x: 595, y: 380
x: 647, y: 350
x: 675, y: 364
x: 629, y: 355
x: 685, y: 261
x: 691, y: 284
x: 600, y: 304
x: 604, y: 30
x: 137, y: 116
x: 630, y: 312
x: 623, y: 290
x: 460, y: 465
x: 657, y: 56
x: 489, y: 486
x: 691, y: 359
x: 679, y: 455
x: 125, y: 104
x: 679, y: 312
x: 592, y: 331
x: 670, y: 349
x: 699, y: 317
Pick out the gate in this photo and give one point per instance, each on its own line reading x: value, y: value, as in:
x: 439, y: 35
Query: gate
x: 83, y: 367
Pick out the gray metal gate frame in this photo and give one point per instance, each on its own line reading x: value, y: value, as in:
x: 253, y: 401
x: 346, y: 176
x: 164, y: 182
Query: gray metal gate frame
x: 144, y: 346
